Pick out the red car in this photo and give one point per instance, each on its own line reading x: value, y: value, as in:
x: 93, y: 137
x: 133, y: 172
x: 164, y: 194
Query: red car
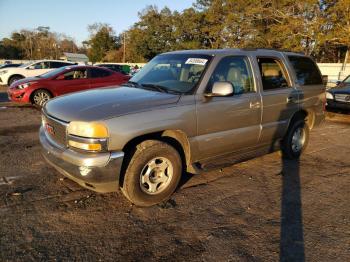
x: 38, y: 90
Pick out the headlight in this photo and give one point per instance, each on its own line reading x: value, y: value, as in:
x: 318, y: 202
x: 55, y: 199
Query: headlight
x: 24, y: 85
x: 88, y: 130
x: 3, y: 72
x: 87, y: 136
x: 329, y: 96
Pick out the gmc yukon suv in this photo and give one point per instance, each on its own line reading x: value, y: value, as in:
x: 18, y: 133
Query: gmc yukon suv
x: 185, y: 111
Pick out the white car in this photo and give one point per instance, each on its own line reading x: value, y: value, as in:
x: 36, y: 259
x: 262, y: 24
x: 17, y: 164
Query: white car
x: 10, y: 75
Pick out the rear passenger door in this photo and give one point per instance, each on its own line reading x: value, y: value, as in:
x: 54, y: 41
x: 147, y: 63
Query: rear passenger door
x: 229, y: 124
x: 280, y: 99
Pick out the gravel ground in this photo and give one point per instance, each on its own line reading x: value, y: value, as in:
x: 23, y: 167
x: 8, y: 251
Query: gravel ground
x: 264, y: 209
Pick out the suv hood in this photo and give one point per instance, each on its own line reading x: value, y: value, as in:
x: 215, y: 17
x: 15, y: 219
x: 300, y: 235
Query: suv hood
x: 99, y: 104
x: 344, y: 90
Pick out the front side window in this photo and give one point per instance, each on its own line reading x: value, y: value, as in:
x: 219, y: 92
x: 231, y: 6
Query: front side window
x: 305, y: 70
x: 173, y: 72
x: 41, y: 65
x: 76, y: 74
x: 237, y: 71
x: 272, y: 74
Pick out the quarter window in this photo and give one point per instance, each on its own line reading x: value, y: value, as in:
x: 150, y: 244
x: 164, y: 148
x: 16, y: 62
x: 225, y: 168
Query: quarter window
x: 272, y: 73
x: 236, y: 70
x: 305, y: 70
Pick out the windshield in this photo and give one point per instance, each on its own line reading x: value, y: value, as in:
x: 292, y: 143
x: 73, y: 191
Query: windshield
x: 173, y: 72
x: 54, y: 72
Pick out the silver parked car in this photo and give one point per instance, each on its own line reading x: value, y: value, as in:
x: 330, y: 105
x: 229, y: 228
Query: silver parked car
x: 184, y: 111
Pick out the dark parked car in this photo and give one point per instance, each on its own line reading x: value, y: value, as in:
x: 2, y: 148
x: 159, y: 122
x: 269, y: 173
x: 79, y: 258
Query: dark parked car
x: 9, y: 65
x: 38, y: 90
x: 339, y: 96
x: 114, y: 67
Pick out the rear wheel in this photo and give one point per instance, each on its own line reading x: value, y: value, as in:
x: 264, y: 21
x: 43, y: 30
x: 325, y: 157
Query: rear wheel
x: 153, y: 173
x: 40, y: 97
x: 14, y: 79
x: 296, y: 139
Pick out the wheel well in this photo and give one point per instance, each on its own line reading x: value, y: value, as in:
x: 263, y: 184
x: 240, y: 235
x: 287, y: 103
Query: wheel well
x: 9, y: 79
x: 32, y: 94
x: 175, y: 138
x: 308, y: 115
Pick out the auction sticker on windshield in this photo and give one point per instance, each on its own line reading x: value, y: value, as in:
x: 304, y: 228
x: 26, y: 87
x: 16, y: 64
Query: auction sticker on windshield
x: 196, y: 61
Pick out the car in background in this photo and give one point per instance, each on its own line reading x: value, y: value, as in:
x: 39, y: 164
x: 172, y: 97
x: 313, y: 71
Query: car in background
x: 9, y: 65
x: 116, y: 67
x: 38, y: 90
x: 339, y: 96
x: 10, y: 75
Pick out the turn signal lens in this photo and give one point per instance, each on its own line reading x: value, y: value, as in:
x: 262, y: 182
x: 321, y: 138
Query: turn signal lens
x: 90, y: 147
x: 90, y: 130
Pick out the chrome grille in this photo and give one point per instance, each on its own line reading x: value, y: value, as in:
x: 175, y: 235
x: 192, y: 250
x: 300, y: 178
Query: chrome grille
x: 58, y: 133
x: 342, y: 97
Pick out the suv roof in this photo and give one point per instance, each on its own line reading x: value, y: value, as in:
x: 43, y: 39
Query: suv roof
x: 234, y: 50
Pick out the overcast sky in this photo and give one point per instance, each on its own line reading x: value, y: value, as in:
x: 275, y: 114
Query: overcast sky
x: 72, y: 16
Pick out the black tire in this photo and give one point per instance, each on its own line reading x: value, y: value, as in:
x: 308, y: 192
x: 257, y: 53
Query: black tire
x: 14, y: 78
x: 133, y: 187
x: 40, y: 97
x: 289, y: 148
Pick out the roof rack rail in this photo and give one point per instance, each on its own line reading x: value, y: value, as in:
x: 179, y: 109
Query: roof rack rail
x: 272, y: 49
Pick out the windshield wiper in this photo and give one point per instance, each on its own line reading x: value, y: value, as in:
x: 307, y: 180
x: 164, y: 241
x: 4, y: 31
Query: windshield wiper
x: 159, y: 88
x: 132, y: 84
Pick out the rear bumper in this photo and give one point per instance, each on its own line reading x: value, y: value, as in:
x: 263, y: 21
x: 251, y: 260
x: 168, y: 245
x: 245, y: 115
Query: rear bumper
x: 99, y: 172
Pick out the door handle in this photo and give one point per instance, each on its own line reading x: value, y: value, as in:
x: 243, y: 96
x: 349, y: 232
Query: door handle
x: 254, y: 105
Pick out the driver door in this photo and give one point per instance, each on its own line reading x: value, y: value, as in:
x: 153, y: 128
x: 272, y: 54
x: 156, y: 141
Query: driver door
x: 38, y: 69
x: 72, y: 81
x: 229, y: 124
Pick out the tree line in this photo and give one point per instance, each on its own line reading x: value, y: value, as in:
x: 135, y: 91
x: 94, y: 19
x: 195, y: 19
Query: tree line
x: 320, y: 28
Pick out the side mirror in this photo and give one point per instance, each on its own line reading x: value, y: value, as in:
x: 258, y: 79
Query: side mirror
x: 60, y: 77
x: 338, y: 82
x: 31, y: 67
x: 221, y: 89
x: 325, y: 79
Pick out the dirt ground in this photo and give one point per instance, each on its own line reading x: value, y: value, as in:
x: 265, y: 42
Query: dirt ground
x: 264, y: 209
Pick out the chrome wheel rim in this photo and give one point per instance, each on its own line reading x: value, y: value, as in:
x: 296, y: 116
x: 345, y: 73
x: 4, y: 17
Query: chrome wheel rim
x: 156, y: 175
x: 298, y: 140
x: 41, y: 98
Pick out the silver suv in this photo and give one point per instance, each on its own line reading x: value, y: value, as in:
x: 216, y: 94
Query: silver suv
x: 185, y: 111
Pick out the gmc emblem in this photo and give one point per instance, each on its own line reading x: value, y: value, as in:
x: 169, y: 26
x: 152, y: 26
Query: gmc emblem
x: 49, y: 129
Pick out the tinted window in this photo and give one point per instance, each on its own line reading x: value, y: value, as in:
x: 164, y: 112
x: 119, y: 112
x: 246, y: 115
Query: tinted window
x: 305, y: 70
x: 236, y: 70
x: 58, y: 64
x: 272, y: 73
x: 76, y: 74
x: 98, y: 72
x: 41, y: 65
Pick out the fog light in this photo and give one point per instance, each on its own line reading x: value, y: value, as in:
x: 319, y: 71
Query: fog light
x: 84, y: 170
x: 90, y: 147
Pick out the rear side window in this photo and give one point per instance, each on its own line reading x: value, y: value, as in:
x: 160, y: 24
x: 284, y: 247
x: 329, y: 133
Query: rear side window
x: 305, y: 70
x: 58, y: 64
x: 272, y: 73
x: 98, y: 72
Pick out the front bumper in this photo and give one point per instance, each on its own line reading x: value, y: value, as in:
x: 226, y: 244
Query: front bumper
x: 338, y: 105
x: 15, y: 95
x: 99, y: 172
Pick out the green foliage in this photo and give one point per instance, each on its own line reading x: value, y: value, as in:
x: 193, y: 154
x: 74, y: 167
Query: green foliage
x: 102, y: 40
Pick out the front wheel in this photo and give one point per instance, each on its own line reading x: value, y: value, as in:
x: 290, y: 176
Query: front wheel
x: 153, y: 173
x: 14, y: 79
x: 296, y: 139
x: 40, y: 97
